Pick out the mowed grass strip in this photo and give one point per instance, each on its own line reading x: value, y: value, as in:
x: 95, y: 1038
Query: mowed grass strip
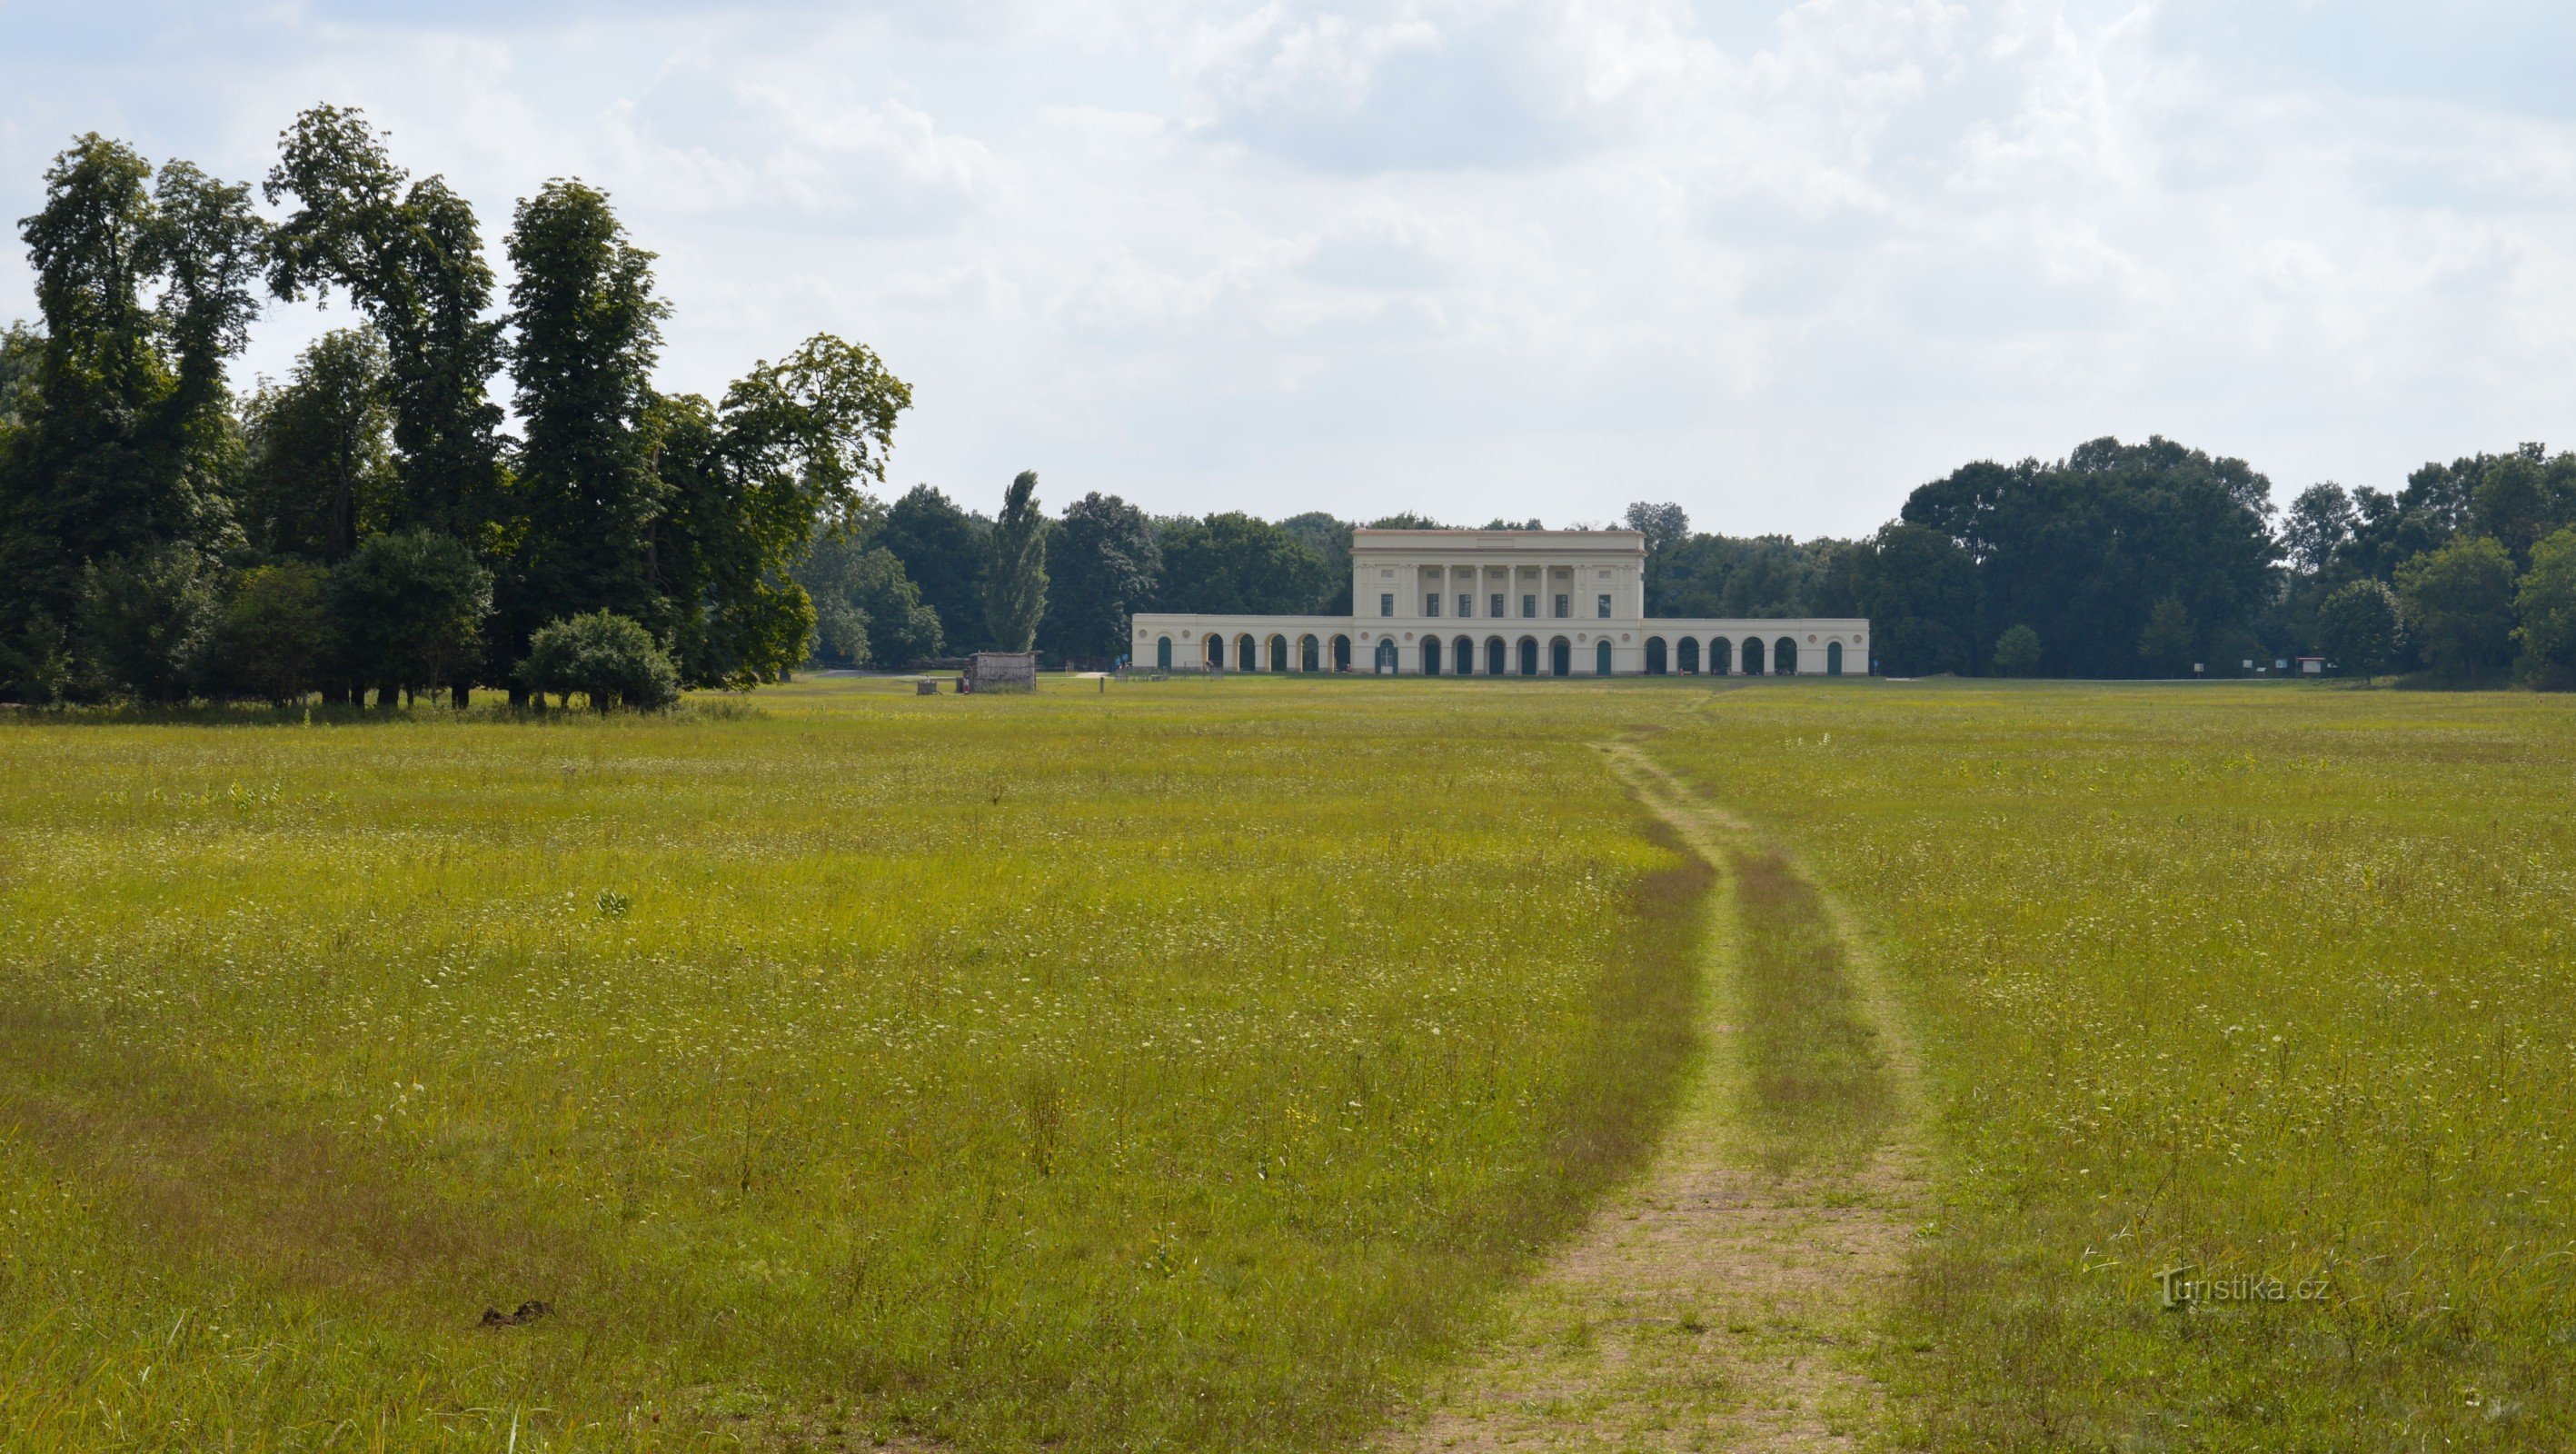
x: 1818, y: 1093
x: 1180, y: 1067
x: 2249, y: 987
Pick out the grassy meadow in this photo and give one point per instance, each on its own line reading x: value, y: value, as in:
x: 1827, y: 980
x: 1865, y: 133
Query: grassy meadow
x: 1178, y: 1067
x: 2259, y: 982
x: 1192, y: 1065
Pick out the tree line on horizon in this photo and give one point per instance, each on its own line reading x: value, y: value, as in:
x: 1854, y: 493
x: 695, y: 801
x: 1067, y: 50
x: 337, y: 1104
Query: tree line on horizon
x: 2117, y: 561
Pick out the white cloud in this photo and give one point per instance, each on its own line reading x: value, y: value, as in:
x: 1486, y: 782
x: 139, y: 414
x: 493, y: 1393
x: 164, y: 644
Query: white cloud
x: 1488, y: 257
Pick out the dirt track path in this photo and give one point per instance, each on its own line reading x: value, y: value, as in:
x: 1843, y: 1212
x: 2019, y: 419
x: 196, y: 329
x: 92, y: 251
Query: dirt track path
x: 1710, y: 1304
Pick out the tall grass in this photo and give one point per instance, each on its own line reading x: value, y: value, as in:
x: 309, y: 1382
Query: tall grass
x: 1180, y: 1067
x: 2217, y: 983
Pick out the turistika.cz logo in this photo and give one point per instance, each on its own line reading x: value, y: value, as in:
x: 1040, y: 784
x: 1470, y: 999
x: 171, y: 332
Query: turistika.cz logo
x: 2183, y: 1290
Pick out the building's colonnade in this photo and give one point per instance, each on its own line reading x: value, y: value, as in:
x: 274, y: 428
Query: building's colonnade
x: 1526, y: 603
x: 1668, y: 647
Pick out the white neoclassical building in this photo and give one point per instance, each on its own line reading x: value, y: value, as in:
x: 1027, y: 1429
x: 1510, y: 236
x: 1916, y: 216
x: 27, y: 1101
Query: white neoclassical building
x: 1500, y: 603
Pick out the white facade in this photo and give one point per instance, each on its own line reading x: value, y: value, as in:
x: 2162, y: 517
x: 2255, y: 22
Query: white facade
x: 1499, y: 603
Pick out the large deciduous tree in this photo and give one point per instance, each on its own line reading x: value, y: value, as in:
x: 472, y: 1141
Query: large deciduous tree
x: 1102, y: 565
x: 2084, y: 550
x: 320, y: 473
x: 122, y: 447
x: 587, y: 333
x: 1233, y: 563
x: 410, y: 253
x: 795, y: 447
x: 943, y: 550
x: 2459, y: 605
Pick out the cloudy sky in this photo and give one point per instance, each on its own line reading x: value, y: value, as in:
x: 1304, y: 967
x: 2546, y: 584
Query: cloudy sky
x: 1487, y: 257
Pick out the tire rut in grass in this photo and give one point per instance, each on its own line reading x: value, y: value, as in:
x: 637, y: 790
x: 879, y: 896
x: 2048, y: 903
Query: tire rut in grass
x: 1725, y: 1298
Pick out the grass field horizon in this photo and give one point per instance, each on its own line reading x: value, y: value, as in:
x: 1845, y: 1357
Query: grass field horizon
x: 1194, y: 1064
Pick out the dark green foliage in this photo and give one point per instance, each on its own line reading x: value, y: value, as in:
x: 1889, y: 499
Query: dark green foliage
x: 1015, y: 581
x: 1406, y: 520
x: 2084, y: 549
x: 22, y: 351
x: 407, y: 611
x: 1717, y: 575
x: 2358, y: 626
x: 943, y: 551
x: 605, y: 657
x: 411, y: 255
x: 1664, y: 527
x: 147, y: 623
x: 2546, y: 601
x: 2521, y: 497
x: 2017, y: 652
x: 866, y: 612
x: 2459, y: 606
x: 1330, y: 539
x: 795, y: 446
x: 121, y: 442
x: 1102, y: 566
x: 1233, y: 562
x: 2165, y: 645
x: 1919, y: 590
x: 2318, y: 523
x: 320, y: 471
x: 271, y: 642
x: 588, y: 330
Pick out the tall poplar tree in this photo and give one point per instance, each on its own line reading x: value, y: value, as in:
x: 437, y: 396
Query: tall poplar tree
x: 1015, y: 586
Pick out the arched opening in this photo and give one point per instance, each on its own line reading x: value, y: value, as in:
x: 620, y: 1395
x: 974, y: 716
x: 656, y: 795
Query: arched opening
x: 1529, y: 656
x: 1431, y: 656
x: 1560, y: 657
x: 1753, y: 656
x: 1310, y: 654
x: 1688, y: 651
x: 1163, y: 654
x: 1215, y: 653
x: 1601, y: 658
x: 1498, y: 657
x: 1278, y: 653
x: 1462, y: 656
x: 1784, y: 658
x: 1721, y: 656
x: 1654, y: 655
x: 1341, y: 653
x: 1246, y: 657
x: 1386, y: 663
x: 1833, y: 658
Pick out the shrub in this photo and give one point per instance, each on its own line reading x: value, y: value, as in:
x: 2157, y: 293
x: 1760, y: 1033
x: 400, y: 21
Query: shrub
x: 2459, y: 605
x: 2017, y: 652
x: 2357, y: 627
x: 407, y: 610
x: 2547, y: 601
x: 270, y: 643
x: 147, y: 624
x: 605, y: 657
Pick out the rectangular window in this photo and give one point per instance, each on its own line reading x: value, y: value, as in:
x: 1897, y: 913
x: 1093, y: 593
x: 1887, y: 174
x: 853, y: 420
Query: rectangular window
x: 1431, y: 605
x: 1529, y: 605
x: 1564, y: 604
x: 1603, y: 609
x: 1386, y: 604
x: 1497, y: 604
x: 1466, y: 605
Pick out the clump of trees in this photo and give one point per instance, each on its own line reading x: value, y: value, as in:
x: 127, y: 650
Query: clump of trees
x: 371, y: 523
x: 2468, y: 574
